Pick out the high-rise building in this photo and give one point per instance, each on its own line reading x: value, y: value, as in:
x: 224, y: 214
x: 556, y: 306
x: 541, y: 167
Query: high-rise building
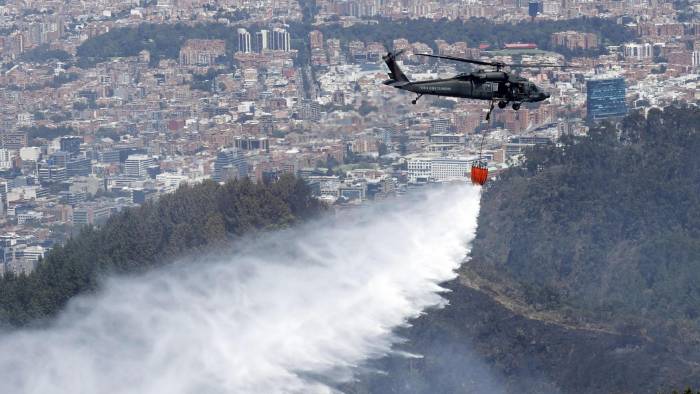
x: 81, y: 217
x: 353, y: 192
x: 262, y: 40
x: 71, y: 144
x: 440, y: 125
x: 310, y: 110
x: 4, y: 188
x: 535, y: 8
x: 605, y: 97
x: 244, y: 41
x: 90, y: 214
x: 229, y: 164
x: 421, y: 170
x: 80, y: 166
x: 574, y: 39
x: 338, y: 98
x: 52, y: 174
x: 137, y: 166
x: 59, y: 158
x: 316, y: 39
x: 198, y: 52
x: 109, y: 156
x: 281, y: 40
x: 638, y: 51
x: 13, y: 139
x: 251, y: 143
x: 448, y: 169
x: 73, y: 197
x: 5, y: 159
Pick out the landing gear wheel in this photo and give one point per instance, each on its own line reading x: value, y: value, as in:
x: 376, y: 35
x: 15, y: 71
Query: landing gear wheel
x: 516, y: 106
x: 502, y: 104
x: 416, y: 100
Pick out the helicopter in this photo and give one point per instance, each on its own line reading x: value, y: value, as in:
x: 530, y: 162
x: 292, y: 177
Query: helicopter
x: 495, y: 85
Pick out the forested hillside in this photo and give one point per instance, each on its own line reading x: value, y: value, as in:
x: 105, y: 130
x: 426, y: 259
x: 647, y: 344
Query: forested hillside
x: 137, y: 239
x: 477, y: 30
x: 584, y: 275
x: 608, y: 224
x: 164, y: 40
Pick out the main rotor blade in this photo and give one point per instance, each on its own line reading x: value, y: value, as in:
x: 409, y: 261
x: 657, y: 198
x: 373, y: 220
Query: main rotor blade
x: 539, y: 65
x: 461, y: 59
x: 495, y: 64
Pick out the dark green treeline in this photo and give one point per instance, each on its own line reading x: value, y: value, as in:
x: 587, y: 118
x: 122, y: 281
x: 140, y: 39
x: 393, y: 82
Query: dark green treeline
x: 140, y: 238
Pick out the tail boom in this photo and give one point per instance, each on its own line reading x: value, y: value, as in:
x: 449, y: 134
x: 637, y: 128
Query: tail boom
x: 396, y: 77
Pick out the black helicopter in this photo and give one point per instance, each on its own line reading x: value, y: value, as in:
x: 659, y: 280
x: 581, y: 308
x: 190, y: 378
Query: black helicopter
x: 494, y: 85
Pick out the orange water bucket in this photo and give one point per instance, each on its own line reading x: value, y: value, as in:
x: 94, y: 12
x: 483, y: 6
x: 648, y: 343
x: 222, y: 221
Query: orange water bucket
x: 479, y: 174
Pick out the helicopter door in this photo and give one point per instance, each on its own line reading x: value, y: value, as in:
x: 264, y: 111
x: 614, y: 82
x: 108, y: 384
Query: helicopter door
x: 487, y: 90
x: 502, y: 91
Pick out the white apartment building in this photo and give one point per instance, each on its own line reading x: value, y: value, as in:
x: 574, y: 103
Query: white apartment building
x: 438, y: 169
x: 639, y: 51
x: 419, y: 170
x: 450, y: 169
x: 5, y: 159
x: 328, y: 185
x: 244, y: 41
x: 170, y: 182
x: 137, y: 165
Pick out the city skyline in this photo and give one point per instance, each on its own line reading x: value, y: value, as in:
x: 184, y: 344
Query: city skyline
x: 236, y: 90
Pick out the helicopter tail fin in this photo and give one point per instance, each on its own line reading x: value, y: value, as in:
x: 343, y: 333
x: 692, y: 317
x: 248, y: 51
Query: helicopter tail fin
x: 396, y: 76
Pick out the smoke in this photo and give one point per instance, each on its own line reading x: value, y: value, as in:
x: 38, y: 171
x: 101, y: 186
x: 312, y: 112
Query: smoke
x: 290, y: 312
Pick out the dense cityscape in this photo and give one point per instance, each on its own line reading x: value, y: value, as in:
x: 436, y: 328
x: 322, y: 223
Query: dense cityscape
x: 104, y: 108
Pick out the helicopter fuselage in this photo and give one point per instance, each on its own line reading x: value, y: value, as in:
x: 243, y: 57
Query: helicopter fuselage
x: 492, y: 86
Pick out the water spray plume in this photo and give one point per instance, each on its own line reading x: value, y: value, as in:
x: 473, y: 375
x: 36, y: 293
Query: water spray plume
x: 290, y: 312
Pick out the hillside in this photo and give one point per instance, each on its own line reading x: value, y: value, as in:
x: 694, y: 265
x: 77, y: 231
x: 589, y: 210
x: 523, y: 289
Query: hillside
x: 193, y: 218
x: 584, y: 275
x: 608, y: 224
x: 163, y: 41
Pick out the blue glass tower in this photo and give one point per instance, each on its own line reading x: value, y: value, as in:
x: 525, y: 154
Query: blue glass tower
x: 229, y: 162
x: 534, y: 8
x: 605, y: 98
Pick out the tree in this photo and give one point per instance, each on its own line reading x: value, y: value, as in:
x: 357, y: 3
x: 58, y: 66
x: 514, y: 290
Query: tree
x: 193, y: 218
x: 574, y: 232
x: 43, y: 53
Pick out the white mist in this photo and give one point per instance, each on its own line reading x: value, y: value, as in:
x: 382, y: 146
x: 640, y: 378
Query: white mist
x: 281, y: 314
